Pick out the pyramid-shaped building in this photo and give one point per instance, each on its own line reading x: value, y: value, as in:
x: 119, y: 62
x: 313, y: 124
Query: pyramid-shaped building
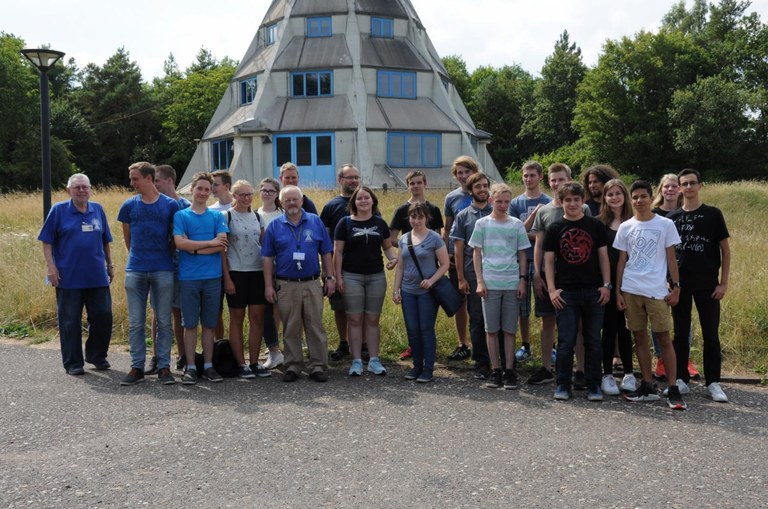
x: 326, y: 82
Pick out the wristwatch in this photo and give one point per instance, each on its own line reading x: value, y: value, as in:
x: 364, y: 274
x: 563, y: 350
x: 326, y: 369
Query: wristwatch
x: 330, y: 278
x: 524, y: 276
x: 608, y: 285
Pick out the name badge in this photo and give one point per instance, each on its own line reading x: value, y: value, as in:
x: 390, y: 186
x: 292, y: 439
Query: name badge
x: 87, y: 227
x: 298, y: 256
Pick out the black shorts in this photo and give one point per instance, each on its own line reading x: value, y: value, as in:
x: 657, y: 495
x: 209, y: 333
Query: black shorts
x: 249, y: 290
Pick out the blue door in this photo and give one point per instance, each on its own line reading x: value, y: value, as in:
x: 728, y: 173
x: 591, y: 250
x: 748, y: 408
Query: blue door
x: 313, y: 153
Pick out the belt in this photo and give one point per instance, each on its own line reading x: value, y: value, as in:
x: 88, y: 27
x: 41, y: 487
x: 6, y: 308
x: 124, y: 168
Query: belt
x: 299, y: 279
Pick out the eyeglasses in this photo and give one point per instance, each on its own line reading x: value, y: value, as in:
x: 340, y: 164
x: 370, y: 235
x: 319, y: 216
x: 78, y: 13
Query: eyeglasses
x: 80, y: 188
x: 244, y: 195
x: 291, y: 200
x: 689, y: 184
x: 268, y: 191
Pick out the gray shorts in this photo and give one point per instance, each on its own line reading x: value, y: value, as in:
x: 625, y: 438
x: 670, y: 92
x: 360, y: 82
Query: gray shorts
x: 364, y: 293
x: 501, y: 307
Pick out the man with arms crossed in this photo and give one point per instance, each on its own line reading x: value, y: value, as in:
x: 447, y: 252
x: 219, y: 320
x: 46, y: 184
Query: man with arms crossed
x: 646, y: 245
x: 704, y: 245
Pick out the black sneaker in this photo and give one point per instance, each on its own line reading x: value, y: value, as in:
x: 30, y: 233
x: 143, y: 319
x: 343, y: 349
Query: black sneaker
x: 100, y: 365
x: 260, y: 371
x: 290, y: 376
x: 541, y: 377
x: 190, y: 377
x: 460, y: 353
x: 341, y: 352
x: 212, y: 375
x: 511, y: 381
x: 165, y: 377
x: 76, y: 371
x: 482, y: 372
x: 494, y: 381
x: 579, y: 381
x: 181, y: 363
x: 152, y: 366
x: 643, y: 393
x: 134, y: 376
x: 675, y: 399
x: 319, y: 376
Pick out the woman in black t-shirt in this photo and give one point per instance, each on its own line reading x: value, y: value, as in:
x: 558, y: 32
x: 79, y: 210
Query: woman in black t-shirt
x: 359, y: 240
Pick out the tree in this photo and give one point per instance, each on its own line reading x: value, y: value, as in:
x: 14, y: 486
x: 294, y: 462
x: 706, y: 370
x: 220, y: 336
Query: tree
x: 549, y: 120
x: 623, y: 103
x: 457, y: 72
x: 117, y: 105
x: 498, y: 102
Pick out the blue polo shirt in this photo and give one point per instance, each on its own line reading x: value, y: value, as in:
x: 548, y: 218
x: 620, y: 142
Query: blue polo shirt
x: 288, y: 243
x: 78, y: 244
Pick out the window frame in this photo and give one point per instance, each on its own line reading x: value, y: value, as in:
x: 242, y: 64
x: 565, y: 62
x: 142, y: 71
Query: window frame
x: 270, y: 34
x: 382, y: 27
x: 244, y: 88
x: 406, y: 162
x: 398, y: 94
x: 229, y: 147
x: 315, y: 26
x: 318, y: 75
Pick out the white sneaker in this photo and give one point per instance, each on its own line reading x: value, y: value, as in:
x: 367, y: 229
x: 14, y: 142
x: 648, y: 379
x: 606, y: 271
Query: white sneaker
x: 274, y: 360
x: 717, y: 392
x: 684, y: 389
x: 609, y: 386
x: 629, y: 383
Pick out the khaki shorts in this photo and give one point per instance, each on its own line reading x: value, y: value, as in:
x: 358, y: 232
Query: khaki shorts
x: 641, y: 309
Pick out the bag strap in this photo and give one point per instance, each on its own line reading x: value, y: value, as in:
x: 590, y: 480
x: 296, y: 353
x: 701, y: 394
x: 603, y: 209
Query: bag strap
x: 413, y: 255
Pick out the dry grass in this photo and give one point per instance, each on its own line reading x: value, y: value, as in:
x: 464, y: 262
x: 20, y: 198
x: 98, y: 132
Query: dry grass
x: 29, y: 304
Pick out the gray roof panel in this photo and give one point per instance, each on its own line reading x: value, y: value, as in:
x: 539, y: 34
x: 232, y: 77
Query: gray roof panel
x: 325, y: 113
x: 413, y: 115
x: 314, y: 53
x: 389, y: 8
x: 317, y: 7
x: 276, y: 12
x: 390, y: 53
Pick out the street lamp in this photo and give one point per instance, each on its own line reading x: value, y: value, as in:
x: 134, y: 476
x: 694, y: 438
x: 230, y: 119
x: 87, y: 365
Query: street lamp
x: 44, y: 59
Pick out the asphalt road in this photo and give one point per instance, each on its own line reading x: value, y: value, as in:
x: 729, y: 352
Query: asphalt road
x: 368, y: 442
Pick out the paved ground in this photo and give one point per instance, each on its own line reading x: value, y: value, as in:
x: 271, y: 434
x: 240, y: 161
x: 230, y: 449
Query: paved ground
x: 384, y: 442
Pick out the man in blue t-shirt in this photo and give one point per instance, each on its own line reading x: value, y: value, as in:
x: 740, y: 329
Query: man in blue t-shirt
x: 201, y: 236
x: 147, y: 219
x: 525, y: 207
x: 292, y: 247
x: 76, y: 239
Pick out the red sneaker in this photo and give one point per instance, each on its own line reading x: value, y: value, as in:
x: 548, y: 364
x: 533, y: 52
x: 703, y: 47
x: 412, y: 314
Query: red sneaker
x: 660, y: 372
x: 406, y: 354
x: 692, y: 371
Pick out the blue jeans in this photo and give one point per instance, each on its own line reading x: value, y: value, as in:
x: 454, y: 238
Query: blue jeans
x: 420, y: 313
x: 581, y: 305
x: 138, y: 286
x: 98, y: 305
x: 270, y: 327
x: 477, y: 327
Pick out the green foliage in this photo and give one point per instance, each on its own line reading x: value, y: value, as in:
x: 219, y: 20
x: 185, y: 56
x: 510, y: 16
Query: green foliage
x: 457, y: 72
x: 550, y: 119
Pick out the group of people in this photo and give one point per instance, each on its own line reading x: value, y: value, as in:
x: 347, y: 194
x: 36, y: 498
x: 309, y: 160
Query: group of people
x: 599, y: 260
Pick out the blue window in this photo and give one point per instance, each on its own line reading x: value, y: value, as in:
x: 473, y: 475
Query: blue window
x: 396, y: 84
x: 312, y: 84
x: 319, y: 27
x: 413, y: 150
x: 382, y: 27
x: 270, y: 34
x: 247, y: 90
x: 222, y: 152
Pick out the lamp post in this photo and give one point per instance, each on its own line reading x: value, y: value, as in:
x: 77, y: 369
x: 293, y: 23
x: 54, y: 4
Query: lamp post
x: 44, y: 59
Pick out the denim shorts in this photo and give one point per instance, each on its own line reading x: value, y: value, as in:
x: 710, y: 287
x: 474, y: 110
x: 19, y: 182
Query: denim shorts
x: 200, y: 302
x: 501, y: 307
x: 249, y: 289
x: 364, y: 293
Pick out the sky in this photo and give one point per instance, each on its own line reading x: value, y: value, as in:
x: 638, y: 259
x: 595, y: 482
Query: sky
x: 482, y: 32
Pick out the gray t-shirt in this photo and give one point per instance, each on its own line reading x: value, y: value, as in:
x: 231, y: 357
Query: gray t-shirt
x: 244, y: 251
x: 426, y: 254
x: 462, y: 229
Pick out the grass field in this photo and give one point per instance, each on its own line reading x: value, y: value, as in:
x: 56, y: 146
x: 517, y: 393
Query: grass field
x: 28, y: 306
